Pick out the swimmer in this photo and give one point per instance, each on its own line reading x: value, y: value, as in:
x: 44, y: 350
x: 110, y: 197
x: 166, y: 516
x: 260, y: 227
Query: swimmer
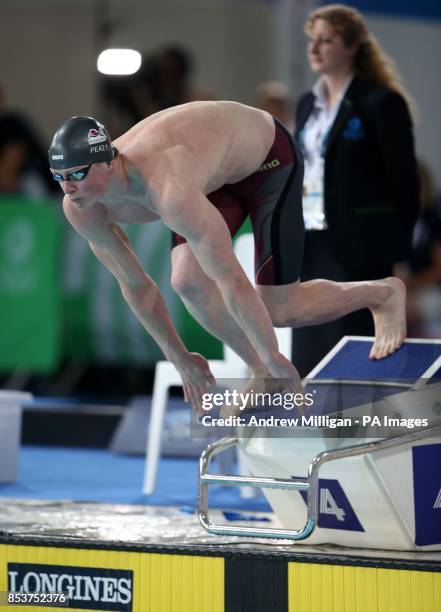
x: 202, y: 168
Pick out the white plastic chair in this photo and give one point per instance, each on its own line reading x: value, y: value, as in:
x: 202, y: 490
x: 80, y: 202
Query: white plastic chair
x: 231, y: 366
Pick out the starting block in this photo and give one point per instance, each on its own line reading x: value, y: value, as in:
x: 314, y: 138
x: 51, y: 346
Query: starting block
x: 373, y: 480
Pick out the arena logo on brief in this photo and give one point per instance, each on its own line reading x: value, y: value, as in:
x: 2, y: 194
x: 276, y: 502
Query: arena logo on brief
x: 335, y: 510
x: 86, y: 588
x: 427, y: 494
x: 272, y: 164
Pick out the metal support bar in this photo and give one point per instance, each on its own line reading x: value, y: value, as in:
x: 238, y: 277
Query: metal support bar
x: 205, y: 479
x: 309, y: 484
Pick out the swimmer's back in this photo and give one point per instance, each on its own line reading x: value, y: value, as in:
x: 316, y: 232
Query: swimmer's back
x: 224, y: 141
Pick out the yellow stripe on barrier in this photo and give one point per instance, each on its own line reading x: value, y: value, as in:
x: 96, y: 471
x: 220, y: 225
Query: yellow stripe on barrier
x: 332, y: 588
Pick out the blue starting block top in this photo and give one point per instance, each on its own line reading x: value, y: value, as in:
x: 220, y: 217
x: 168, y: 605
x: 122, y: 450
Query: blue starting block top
x: 417, y: 360
x: 349, y: 360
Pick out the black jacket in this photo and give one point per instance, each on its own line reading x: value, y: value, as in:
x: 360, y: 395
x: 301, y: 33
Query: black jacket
x: 371, y: 189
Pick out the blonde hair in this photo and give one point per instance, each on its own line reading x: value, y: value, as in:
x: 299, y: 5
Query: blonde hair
x: 370, y: 62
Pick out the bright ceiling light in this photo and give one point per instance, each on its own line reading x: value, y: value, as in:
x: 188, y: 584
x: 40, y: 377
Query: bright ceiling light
x: 119, y: 61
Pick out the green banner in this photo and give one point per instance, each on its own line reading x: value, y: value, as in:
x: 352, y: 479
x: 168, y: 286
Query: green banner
x: 29, y: 285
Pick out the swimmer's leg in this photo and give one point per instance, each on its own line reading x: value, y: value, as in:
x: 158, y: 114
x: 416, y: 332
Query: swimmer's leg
x: 204, y: 301
x: 318, y: 301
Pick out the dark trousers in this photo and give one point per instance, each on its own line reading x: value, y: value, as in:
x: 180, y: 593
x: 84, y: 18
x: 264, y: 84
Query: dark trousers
x: 312, y: 343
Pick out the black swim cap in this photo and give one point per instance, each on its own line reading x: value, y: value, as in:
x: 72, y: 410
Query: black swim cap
x: 80, y: 141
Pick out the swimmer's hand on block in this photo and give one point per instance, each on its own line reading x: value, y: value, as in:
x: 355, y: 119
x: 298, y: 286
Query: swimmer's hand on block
x: 281, y: 368
x: 196, y: 379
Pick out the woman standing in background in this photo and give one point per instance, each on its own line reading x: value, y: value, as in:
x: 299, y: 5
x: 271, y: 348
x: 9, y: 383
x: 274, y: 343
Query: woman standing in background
x: 361, y: 188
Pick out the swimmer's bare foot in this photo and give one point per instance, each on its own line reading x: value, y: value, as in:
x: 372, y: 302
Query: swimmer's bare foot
x: 390, y: 320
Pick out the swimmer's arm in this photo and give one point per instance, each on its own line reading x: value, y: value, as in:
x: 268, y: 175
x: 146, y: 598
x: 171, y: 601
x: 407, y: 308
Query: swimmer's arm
x: 142, y: 295
x: 146, y: 301
x: 189, y: 213
x: 112, y: 247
